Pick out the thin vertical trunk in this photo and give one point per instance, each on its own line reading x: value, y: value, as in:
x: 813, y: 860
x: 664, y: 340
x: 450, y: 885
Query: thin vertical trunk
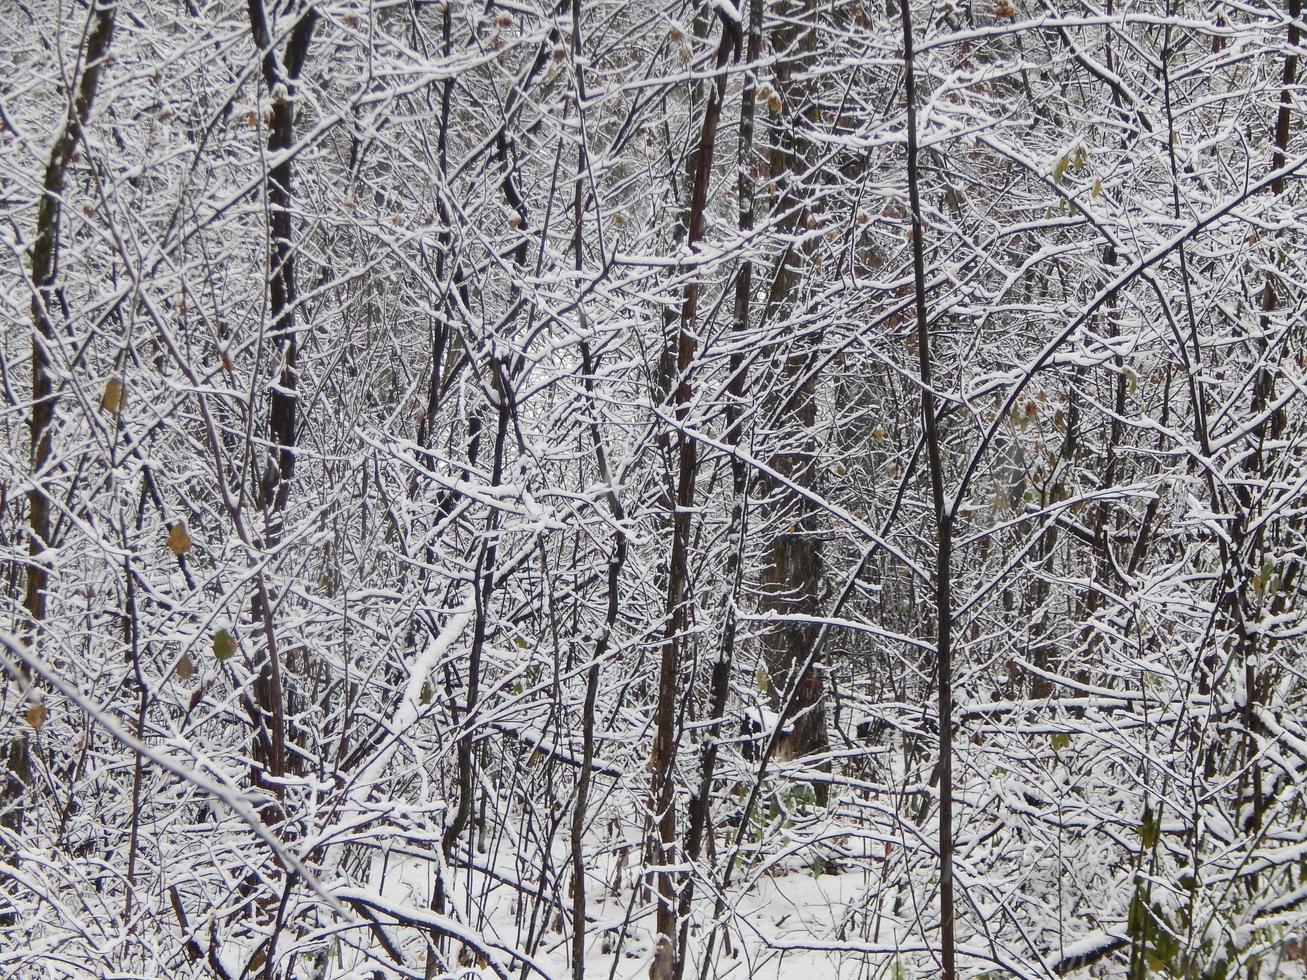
x: 443, y: 337
x: 280, y: 76
x: 699, y: 822
x: 616, y: 560
x: 619, y: 544
x: 1263, y: 397
x: 484, y: 577
x: 667, y: 954
x: 45, y: 265
x: 943, y: 519
x: 616, y: 563
x: 502, y: 399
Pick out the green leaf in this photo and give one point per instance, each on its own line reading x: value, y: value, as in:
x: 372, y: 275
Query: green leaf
x: 1264, y: 580
x: 1137, y: 920
x: 1148, y: 830
x: 224, y: 645
x: 1061, y: 740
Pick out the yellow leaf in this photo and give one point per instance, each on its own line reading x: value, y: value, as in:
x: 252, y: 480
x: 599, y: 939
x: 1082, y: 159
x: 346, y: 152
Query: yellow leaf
x: 36, y: 714
x: 112, y: 402
x: 185, y: 667
x: 1059, y: 170
x: 224, y: 645
x: 1097, y: 189
x: 179, y: 541
x: 764, y: 683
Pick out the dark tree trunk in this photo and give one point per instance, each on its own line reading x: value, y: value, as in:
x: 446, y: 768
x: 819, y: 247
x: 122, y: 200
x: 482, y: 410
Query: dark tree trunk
x: 45, y: 266
x: 668, y: 954
x: 280, y: 76
x: 944, y: 514
x: 791, y: 574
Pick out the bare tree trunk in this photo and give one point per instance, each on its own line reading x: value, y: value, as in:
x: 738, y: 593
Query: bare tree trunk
x: 699, y: 822
x: 483, y: 591
x: 1263, y: 397
x: 943, y: 520
x: 443, y: 337
x: 45, y: 265
x: 616, y: 560
x: 791, y: 574
x: 667, y: 954
x: 280, y: 77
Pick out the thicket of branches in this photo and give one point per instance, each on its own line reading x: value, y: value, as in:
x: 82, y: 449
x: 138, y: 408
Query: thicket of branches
x: 489, y: 487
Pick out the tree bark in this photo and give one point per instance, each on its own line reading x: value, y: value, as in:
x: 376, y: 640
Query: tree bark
x: 943, y: 520
x: 280, y: 77
x: 45, y: 267
x: 667, y: 953
x: 791, y: 573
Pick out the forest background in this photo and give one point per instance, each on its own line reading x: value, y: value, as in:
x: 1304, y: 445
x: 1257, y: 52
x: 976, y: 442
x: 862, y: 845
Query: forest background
x: 587, y: 488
